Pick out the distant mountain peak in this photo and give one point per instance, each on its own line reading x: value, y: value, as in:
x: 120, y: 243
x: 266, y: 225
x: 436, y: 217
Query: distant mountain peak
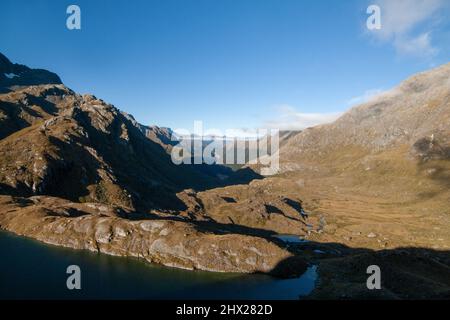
x: 17, y: 75
x: 4, y: 61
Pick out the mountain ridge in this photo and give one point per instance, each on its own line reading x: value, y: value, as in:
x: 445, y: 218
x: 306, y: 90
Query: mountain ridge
x: 17, y: 75
x: 414, y: 110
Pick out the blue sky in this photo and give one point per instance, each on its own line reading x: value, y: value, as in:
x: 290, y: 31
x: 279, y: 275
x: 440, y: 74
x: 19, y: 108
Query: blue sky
x: 229, y: 63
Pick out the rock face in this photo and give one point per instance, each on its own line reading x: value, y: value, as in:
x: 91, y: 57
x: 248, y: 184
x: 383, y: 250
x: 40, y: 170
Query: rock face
x: 163, y: 136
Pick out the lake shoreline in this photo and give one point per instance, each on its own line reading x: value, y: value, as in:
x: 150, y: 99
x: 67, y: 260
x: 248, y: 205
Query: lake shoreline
x: 140, y: 277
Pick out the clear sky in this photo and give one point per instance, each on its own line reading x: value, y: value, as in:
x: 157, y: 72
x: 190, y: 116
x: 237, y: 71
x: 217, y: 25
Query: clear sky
x: 230, y: 63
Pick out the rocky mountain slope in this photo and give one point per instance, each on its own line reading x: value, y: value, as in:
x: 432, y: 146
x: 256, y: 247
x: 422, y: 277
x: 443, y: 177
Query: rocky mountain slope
x: 58, y: 143
x: 414, y: 115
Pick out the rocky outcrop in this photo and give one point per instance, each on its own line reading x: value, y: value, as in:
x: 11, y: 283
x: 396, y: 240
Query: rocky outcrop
x: 169, y: 242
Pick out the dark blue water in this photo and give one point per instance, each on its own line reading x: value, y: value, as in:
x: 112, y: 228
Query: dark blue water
x: 31, y: 270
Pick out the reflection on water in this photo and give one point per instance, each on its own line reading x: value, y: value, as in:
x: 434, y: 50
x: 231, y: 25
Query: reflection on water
x: 31, y: 270
x: 290, y: 238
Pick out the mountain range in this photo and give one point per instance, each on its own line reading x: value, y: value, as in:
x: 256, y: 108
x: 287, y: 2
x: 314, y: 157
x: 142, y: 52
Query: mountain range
x: 373, y: 186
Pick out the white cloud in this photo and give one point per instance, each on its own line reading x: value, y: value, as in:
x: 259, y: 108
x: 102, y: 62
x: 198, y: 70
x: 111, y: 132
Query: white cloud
x: 365, y: 97
x: 210, y: 133
x: 418, y: 45
x: 288, y: 118
x: 407, y: 24
x: 244, y: 133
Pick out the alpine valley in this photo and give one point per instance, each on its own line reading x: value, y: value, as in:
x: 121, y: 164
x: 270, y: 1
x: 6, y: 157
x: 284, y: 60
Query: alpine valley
x: 371, y: 188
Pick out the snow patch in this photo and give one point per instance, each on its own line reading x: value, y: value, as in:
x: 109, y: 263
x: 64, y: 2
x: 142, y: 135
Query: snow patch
x: 11, y: 75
